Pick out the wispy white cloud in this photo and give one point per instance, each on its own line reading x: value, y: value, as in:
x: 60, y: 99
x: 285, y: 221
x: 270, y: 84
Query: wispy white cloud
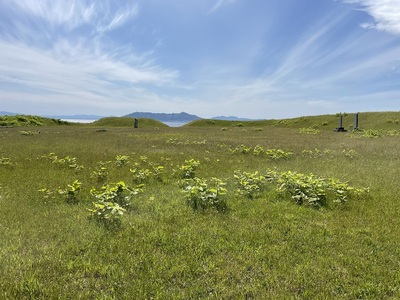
x: 80, y: 65
x: 386, y: 14
x: 219, y: 4
x: 316, y: 74
x: 78, y: 72
x: 70, y: 13
x: 105, y: 15
x: 99, y: 57
x: 119, y: 18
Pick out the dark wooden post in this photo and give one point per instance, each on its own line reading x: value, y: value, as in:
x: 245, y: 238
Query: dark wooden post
x: 340, y: 128
x: 355, y: 121
x: 136, y: 123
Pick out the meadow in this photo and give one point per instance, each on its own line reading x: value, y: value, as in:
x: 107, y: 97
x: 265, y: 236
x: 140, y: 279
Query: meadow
x: 278, y: 209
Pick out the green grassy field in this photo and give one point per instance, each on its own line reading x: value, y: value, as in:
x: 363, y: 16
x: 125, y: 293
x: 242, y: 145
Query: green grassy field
x: 262, y: 246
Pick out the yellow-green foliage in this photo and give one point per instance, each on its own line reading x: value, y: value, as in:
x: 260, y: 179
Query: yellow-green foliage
x: 171, y: 241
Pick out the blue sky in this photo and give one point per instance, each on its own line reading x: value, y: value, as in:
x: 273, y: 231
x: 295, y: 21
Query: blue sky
x: 249, y: 58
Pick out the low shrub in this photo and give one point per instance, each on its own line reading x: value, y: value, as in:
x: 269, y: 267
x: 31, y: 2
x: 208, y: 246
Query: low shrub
x: 203, y: 194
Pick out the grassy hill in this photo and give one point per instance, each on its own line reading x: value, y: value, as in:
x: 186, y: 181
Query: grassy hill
x: 127, y: 122
x: 27, y: 120
x: 367, y: 120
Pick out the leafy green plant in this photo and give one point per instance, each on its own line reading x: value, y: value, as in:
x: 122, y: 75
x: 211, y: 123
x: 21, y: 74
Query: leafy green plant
x: 51, y: 156
x: 309, y: 130
x: 71, y: 192
x: 278, y: 154
x: 5, y: 161
x: 47, y: 194
x: 203, y: 194
x: 317, y: 153
x: 121, y: 160
x: 187, y: 171
x: 173, y: 141
x: 249, y: 184
x: 70, y: 162
x: 241, y: 149
x: 396, y: 121
x: 116, y: 192
x: 140, y: 175
x: 312, y: 153
x: 203, y: 142
x: 143, y: 158
x: 112, y: 201
x: 158, y: 171
x: 101, y: 173
x: 350, y: 153
x: 282, y: 122
x: 109, y: 214
x: 370, y: 133
x: 393, y: 132
x: 258, y: 150
x: 28, y: 132
x: 308, y: 189
x: 314, y: 190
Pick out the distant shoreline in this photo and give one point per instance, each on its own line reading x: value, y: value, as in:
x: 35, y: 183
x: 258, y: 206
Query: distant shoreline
x: 86, y: 121
x: 176, y: 124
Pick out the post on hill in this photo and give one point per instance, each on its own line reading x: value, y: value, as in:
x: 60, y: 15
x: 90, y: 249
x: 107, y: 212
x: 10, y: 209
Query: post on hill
x: 340, y: 128
x: 355, y: 127
x: 136, y: 123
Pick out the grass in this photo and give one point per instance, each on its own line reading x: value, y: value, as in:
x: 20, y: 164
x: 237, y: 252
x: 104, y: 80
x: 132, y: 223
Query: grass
x: 264, y: 248
x: 127, y: 122
x: 27, y: 120
x: 367, y: 120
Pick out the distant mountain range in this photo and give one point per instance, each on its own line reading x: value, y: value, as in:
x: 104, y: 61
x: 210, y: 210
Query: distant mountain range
x: 77, y: 117
x: 72, y: 117
x: 178, y: 117
x: 163, y: 117
x: 182, y: 117
x: 6, y: 113
x: 230, y: 118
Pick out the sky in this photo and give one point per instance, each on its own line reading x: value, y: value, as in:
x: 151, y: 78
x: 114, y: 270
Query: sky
x: 253, y: 59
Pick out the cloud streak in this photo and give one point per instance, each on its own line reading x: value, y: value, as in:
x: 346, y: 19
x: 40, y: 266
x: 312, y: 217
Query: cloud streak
x: 55, y: 71
x: 105, y: 15
x: 221, y: 3
x: 386, y: 14
x: 59, y: 65
x: 105, y: 57
x: 70, y: 13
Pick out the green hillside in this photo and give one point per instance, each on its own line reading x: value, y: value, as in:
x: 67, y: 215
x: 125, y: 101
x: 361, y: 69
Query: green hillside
x: 367, y: 120
x: 127, y: 122
x: 27, y: 120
